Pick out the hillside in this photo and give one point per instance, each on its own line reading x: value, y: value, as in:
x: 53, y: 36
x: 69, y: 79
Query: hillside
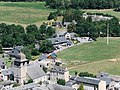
x: 24, y: 12
x: 93, y: 57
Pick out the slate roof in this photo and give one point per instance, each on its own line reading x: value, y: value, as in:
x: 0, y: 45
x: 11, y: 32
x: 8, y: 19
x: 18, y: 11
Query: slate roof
x: 58, y: 69
x: 26, y: 87
x: 6, y: 82
x: 7, y: 72
x: 15, y: 50
x: 42, y: 57
x: 34, y: 86
x: 34, y: 71
x: 2, y: 63
x: 87, y: 80
x: 105, y: 77
x: 58, y: 40
x: 70, y: 83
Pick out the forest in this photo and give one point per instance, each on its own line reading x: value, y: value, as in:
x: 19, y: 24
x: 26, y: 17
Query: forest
x: 83, y: 4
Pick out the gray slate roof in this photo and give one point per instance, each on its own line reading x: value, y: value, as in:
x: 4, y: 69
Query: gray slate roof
x: 105, y: 77
x: 7, y: 72
x: 35, y: 71
x: 42, y: 57
x: 33, y: 86
x: 2, y: 63
x: 15, y: 50
x: 58, y: 69
x: 58, y: 40
x: 87, y: 80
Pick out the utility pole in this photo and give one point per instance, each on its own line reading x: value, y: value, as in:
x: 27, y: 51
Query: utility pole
x: 107, y: 33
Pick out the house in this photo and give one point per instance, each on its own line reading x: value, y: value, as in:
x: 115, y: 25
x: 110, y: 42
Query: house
x: 6, y: 74
x: 6, y: 50
x: 65, y: 24
x: 88, y: 82
x: 2, y: 65
x: 46, y: 63
x: 83, y: 39
x: 23, y: 71
x: 60, y: 42
x: 6, y: 85
x: 114, y: 86
x: 59, y: 72
x: 42, y: 57
x: 96, y: 17
x: 33, y: 86
x: 60, y: 34
x: 30, y: 86
x: 113, y: 79
x: 69, y: 35
x: 51, y: 56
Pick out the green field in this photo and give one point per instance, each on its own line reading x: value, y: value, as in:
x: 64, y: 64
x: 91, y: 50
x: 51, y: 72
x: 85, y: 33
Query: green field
x: 95, y: 68
x: 24, y: 12
x: 105, y: 11
x: 95, y: 52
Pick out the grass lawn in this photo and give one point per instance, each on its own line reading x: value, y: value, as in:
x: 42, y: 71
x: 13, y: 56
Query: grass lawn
x: 96, y: 51
x: 95, y: 68
x: 24, y: 12
x: 105, y: 11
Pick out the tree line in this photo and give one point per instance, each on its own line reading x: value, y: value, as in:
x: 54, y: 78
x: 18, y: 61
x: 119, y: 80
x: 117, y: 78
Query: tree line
x: 86, y: 27
x: 84, y: 4
x: 22, y: 0
x: 15, y: 35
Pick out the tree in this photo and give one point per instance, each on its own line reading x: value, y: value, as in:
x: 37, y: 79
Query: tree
x: 45, y: 69
x: 76, y: 73
x: 46, y: 46
x: 30, y: 81
x: 20, y: 29
x: 52, y: 15
x: 34, y: 52
x: 16, y: 84
x: 1, y: 50
x: 81, y: 87
x: 71, y: 27
x: 61, y: 81
x: 50, y: 32
x: 86, y: 74
x: 27, y: 53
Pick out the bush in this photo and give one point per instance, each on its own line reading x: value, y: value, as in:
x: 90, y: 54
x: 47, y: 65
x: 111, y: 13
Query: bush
x: 34, y: 52
x: 86, y: 74
x: 61, y: 81
x: 30, y: 81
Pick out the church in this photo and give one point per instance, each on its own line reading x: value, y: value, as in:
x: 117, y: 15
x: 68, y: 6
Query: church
x: 23, y: 71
